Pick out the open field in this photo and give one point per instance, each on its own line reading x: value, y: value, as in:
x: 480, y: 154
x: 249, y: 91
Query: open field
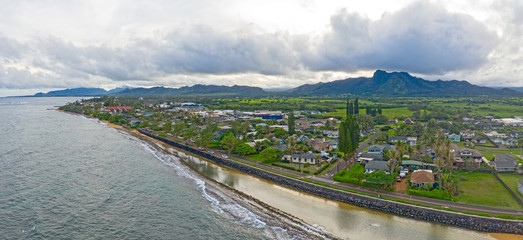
x: 512, y: 181
x: 484, y: 189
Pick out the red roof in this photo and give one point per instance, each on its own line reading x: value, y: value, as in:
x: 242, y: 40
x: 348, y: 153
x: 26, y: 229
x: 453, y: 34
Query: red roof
x: 119, y: 108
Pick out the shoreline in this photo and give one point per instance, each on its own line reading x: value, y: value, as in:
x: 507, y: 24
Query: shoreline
x: 291, y: 224
x: 465, y: 221
x: 157, y: 139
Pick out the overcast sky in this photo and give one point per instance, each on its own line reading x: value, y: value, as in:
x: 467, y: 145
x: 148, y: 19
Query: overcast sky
x: 56, y: 44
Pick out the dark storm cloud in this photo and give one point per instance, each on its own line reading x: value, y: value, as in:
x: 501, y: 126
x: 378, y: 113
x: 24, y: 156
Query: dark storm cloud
x: 422, y: 38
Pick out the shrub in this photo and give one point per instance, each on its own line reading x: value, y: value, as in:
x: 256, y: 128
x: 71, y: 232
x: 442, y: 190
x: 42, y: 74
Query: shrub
x: 435, y: 193
x: 505, y: 216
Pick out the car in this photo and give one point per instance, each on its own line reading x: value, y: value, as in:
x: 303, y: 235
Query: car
x: 200, y: 148
x: 224, y: 156
x: 398, y: 179
x: 211, y: 152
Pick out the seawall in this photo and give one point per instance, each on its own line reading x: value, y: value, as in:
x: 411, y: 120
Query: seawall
x: 478, y: 223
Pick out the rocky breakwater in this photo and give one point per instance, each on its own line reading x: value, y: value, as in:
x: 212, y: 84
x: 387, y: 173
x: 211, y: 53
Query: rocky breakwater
x: 478, y: 223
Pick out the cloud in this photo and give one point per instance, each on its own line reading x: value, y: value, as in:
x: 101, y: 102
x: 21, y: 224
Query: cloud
x: 421, y: 38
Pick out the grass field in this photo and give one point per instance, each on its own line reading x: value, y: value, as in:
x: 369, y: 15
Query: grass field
x: 484, y: 189
x: 512, y: 182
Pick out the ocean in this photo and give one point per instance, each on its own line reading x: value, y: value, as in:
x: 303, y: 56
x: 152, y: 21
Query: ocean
x: 66, y: 176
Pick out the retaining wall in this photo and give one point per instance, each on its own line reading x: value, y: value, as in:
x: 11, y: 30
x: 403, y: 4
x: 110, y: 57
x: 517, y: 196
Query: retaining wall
x: 478, y: 223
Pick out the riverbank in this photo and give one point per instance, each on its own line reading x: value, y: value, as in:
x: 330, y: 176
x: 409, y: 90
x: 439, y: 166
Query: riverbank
x: 478, y: 223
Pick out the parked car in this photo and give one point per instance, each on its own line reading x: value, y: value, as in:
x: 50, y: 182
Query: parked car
x: 211, y: 152
x: 398, y: 179
x: 224, y: 156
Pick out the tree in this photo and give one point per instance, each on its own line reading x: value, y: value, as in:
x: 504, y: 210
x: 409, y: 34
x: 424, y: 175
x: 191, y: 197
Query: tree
x: 280, y: 133
x: 271, y: 154
x: 349, y: 134
x: 380, y: 119
x: 167, y: 126
x: 380, y: 178
x: 205, y: 137
x: 291, y: 122
x: 356, y: 107
x: 244, y: 149
x: 230, y: 141
x: 379, y: 109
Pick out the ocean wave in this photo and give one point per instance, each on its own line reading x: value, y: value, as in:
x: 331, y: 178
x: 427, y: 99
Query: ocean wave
x: 221, y: 202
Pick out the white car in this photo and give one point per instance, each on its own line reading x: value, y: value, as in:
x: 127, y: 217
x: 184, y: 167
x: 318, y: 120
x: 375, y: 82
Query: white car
x: 224, y: 156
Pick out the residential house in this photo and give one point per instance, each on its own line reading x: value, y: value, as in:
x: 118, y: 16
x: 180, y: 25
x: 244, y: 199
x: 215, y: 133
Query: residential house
x: 466, y: 155
x: 300, y: 158
x: 303, y: 138
x: 333, y: 143
x: 420, y: 178
x: 330, y: 134
x: 511, y: 142
x: 378, y: 166
x: 380, y: 149
x: 409, y: 140
x: 520, y: 186
x: 466, y: 135
x: 413, y: 165
x: 135, y: 122
x: 479, y: 139
x: 408, y: 121
x: 321, y: 146
x: 367, y: 157
x: 281, y: 147
x: 505, y: 163
x: 454, y: 137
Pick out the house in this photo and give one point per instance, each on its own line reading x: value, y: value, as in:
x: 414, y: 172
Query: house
x: 303, y: 138
x: 379, y: 149
x: 395, y: 139
x: 378, y: 166
x: 511, y: 142
x: 300, y: 158
x: 135, y: 122
x: 281, y: 147
x: 520, y: 186
x: 321, y: 146
x: 479, y: 139
x: 333, y: 143
x: 416, y: 165
x: 505, y: 163
x: 420, y: 178
x: 330, y: 134
x: 408, y: 121
x: 464, y: 155
x: 454, y: 137
x: 466, y: 133
x: 409, y: 140
x: 369, y: 157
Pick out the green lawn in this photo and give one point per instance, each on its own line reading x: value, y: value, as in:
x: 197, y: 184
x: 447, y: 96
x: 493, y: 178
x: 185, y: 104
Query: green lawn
x: 484, y: 189
x: 512, y: 182
x: 255, y: 157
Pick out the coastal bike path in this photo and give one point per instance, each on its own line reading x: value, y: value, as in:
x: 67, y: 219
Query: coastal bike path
x: 392, y: 195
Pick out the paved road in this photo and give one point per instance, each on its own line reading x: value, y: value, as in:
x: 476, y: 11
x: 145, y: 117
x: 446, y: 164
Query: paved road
x: 328, y: 180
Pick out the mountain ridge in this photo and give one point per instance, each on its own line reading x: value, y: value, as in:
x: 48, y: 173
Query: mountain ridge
x: 382, y: 83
